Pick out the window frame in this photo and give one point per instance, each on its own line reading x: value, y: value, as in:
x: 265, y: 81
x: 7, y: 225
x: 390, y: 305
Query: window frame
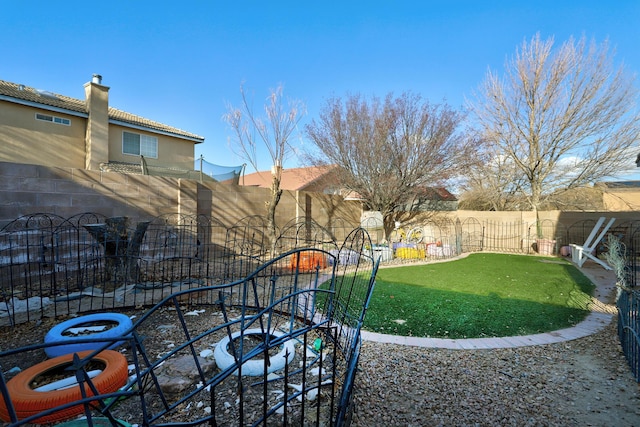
x: 147, y: 145
x: 53, y: 119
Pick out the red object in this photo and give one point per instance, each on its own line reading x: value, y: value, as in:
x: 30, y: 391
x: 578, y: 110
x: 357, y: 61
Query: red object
x: 308, y: 261
x: 28, y: 402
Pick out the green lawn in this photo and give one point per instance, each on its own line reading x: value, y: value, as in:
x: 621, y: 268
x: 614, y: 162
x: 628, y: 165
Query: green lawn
x: 482, y: 295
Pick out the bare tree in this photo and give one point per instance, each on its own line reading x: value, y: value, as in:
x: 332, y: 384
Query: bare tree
x: 387, y: 151
x: 494, y: 183
x: 273, y: 132
x: 564, y: 117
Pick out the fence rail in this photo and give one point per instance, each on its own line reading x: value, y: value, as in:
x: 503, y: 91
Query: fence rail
x: 51, y: 266
x: 304, y: 308
x: 629, y: 328
x: 628, y: 298
x: 472, y: 235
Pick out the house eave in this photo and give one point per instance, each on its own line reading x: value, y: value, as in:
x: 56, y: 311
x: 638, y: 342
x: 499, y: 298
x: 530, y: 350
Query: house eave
x: 43, y: 106
x: 156, y: 131
x: 85, y: 115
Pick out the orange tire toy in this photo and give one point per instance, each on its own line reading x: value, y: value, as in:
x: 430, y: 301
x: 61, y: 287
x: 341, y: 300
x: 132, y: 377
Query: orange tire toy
x: 27, y: 401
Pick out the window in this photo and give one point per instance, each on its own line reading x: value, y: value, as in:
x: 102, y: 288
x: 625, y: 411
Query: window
x: 139, y: 145
x: 53, y: 119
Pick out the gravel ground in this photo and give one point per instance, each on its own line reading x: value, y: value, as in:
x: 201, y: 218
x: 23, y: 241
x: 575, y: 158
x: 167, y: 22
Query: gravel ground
x: 584, y: 382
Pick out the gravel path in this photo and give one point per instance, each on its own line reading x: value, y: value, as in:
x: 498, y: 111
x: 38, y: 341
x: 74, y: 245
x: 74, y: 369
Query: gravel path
x: 583, y: 382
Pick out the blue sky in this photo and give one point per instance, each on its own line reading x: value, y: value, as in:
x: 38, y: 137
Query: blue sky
x: 181, y: 62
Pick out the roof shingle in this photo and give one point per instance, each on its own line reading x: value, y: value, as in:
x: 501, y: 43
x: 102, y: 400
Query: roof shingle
x: 14, y: 92
x: 292, y: 179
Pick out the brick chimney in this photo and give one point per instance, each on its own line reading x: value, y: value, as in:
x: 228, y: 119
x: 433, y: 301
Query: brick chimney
x: 97, y: 137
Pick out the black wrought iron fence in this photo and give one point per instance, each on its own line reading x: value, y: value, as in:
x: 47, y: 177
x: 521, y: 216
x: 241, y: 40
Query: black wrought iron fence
x: 445, y: 238
x: 628, y: 304
x: 633, y: 258
x: 47, y: 261
x: 278, y: 347
x: 511, y: 237
x: 52, y: 266
x: 626, y: 241
x: 471, y: 235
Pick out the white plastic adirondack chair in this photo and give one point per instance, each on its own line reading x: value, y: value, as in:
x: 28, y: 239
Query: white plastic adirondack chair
x: 580, y: 254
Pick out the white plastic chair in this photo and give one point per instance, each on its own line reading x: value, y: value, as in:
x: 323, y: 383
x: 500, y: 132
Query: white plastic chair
x: 580, y: 254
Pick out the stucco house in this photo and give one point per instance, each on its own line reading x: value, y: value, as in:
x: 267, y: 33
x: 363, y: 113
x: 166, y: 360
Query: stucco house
x: 44, y: 128
x: 321, y: 179
x: 620, y: 196
x: 318, y: 179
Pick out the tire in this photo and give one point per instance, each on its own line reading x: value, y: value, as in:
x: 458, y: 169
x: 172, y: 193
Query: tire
x: 56, y: 334
x: 27, y: 401
x: 254, y: 367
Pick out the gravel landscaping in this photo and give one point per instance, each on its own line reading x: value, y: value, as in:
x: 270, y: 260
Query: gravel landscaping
x: 584, y: 382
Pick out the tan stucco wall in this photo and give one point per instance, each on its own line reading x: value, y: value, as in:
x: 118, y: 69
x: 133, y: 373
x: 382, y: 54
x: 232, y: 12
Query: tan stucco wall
x: 564, y: 218
x: 172, y: 152
x: 231, y: 203
x: 23, y: 139
x: 624, y: 200
x: 28, y: 188
x: 97, y: 136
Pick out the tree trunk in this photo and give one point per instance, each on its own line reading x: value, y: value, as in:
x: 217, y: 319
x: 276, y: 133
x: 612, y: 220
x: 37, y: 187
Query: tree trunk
x: 276, y: 193
x: 121, y: 250
x: 536, y: 192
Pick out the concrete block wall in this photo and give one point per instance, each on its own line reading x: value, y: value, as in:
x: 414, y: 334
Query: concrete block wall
x: 564, y: 218
x: 28, y: 189
x: 231, y: 203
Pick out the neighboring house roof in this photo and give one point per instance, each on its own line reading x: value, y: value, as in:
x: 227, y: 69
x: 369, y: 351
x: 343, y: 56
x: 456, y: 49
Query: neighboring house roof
x: 439, y: 194
x: 320, y: 177
x: 432, y: 194
x: 631, y: 185
x: 142, y: 168
x: 21, y: 94
x: 293, y: 179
